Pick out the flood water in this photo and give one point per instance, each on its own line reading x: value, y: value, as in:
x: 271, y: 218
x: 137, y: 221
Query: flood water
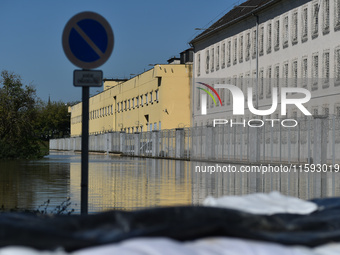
x: 132, y: 183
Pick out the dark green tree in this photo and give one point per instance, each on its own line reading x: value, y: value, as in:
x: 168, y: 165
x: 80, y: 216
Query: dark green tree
x: 53, y: 120
x: 17, y: 118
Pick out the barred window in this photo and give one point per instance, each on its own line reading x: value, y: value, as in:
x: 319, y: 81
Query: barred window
x: 325, y: 110
x: 315, y: 71
x: 207, y: 61
x: 325, y: 16
x: 269, y: 83
x: 247, y: 46
x: 223, y: 55
x: 235, y: 51
x: 285, y: 32
x: 277, y: 35
x: 315, y: 24
x: 198, y: 64
x: 261, y: 41
x: 285, y: 74
x: 222, y: 93
x: 228, y: 93
x: 241, y: 82
x: 241, y: 49
x: 304, y: 74
x: 198, y: 91
x: 254, y: 50
x: 325, y: 69
x: 295, y: 72
x: 229, y: 53
x: 337, y: 66
x: 337, y: 111
x: 212, y: 60
x: 218, y: 58
x: 269, y: 38
x: 295, y: 28
x: 337, y: 15
x: 305, y: 24
x: 277, y: 75
x: 261, y: 83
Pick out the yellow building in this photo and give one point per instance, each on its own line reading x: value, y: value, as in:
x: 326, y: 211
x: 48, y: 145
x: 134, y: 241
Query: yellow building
x: 156, y: 99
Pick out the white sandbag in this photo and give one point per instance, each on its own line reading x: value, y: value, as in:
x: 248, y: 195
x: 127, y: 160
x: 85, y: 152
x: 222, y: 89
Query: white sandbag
x: 264, y: 204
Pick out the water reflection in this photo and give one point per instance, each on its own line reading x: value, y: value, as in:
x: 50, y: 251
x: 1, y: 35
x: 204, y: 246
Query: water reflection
x: 131, y: 183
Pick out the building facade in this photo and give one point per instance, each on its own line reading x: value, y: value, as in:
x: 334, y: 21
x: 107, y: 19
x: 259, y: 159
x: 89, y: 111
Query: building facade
x: 270, y: 43
x: 154, y: 100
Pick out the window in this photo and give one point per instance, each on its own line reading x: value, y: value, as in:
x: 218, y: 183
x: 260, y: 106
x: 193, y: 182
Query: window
x: 285, y: 32
x: 315, y: 24
x: 337, y: 15
x: 269, y: 83
x: 247, y: 46
x: 325, y: 69
x: 157, y: 95
x: 337, y: 66
x: 159, y: 126
x: 155, y: 126
x: 269, y: 38
x: 121, y: 106
x: 285, y: 74
x: 118, y: 107
x: 261, y: 83
x: 207, y: 60
x: 218, y: 58
x: 223, y: 55
x: 241, y: 49
x: 198, y: 64
x: 261, y: 41
x: 235, y: 51
x: 295, y: 28
x: 146, y: 99
x: 277, y: 75
x: 254, y: 44
x: 212, y: 60
x: 277, y: 35
x: 125, y: 104
x: 315, y: 71
x: 137, y: 101
x: 325, y: 16
x: 325, y: 110
x: 305, y: 24
x: 141, y: 100
x: 241, y: 82
x: 129, y: 104
x: 228, y: 53
x: 295, y: 72
x: 304, y: 69
x: 151, y: 101
x: 133, y: 103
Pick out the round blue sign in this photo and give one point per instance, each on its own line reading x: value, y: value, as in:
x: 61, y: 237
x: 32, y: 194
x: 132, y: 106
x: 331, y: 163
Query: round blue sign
x: 88, y: 40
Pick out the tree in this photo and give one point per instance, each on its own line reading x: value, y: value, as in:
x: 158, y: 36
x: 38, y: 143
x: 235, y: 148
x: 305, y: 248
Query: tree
x: 17, y: 118
x: 53, y: 120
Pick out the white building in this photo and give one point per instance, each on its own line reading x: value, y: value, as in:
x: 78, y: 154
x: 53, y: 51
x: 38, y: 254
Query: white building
x: 297, y: 41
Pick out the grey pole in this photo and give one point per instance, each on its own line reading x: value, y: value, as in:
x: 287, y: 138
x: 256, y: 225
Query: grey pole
x: 85, y: 152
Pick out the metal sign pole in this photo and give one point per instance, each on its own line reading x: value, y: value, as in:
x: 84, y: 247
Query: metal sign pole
x: 85, y: 151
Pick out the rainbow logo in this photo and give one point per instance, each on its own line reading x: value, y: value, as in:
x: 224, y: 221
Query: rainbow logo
x: 204, y: 97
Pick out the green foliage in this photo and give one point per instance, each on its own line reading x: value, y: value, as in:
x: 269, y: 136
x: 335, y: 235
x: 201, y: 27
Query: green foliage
x: 26, y: 123
x: 17, y: 118
x: 53, y: 120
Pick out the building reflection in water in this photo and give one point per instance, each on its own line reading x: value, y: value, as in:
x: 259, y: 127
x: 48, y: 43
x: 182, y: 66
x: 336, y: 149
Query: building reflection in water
x: 135, y: 183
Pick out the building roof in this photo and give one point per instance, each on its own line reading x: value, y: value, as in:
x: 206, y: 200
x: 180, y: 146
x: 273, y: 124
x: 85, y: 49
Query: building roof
x: 236, y: 14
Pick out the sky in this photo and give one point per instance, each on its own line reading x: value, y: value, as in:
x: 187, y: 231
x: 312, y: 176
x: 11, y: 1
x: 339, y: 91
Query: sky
x: 145, y: 32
